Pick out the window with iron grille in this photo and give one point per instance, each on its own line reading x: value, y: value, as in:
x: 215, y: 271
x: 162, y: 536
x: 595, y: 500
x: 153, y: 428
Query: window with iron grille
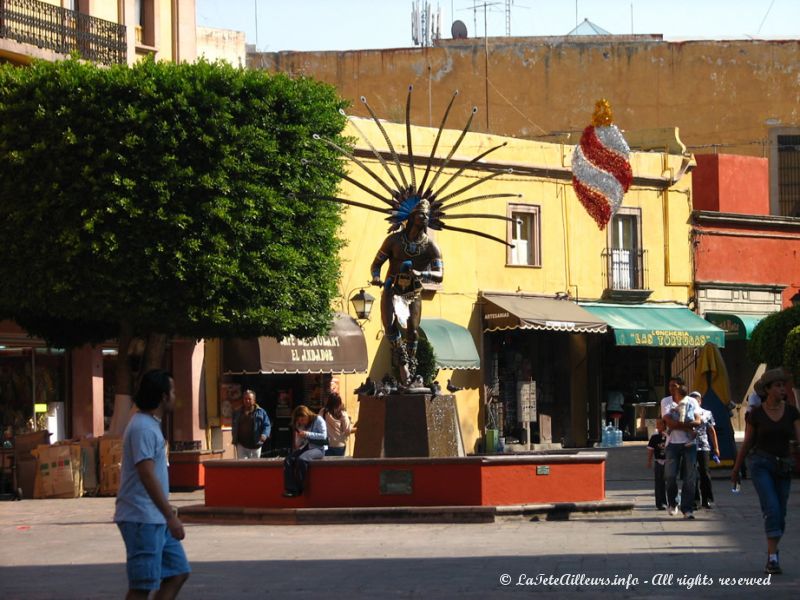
x: 624, y: 256
x: 788, y: 147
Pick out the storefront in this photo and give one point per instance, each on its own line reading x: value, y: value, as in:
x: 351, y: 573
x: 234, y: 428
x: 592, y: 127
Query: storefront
x: 287, y: 373
x: 33, y: 385
x: 541, y: 352
x: 637, y: 356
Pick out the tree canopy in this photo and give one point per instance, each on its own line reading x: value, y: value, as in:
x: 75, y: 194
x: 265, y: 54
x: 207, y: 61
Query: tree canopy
x: 767, y: 344
x: 177, y: 198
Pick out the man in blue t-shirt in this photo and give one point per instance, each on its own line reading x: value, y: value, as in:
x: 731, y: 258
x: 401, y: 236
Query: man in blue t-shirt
x: 149, y: 526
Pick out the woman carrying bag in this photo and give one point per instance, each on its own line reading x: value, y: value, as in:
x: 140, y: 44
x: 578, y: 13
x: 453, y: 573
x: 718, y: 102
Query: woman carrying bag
x: 311, y: 441
x: 767, y: 446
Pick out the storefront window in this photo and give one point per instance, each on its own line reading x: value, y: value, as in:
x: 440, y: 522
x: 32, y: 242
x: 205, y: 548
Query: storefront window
x: 32, y: 389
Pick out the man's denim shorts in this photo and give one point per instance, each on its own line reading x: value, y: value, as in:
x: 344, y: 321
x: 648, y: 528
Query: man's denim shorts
x: 152, y: 554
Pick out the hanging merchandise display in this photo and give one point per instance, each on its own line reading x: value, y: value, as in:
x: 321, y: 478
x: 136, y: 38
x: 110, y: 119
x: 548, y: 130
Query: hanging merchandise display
x: 601, y: 170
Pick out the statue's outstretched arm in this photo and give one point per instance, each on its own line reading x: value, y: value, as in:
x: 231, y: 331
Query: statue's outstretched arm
x: 375, y: 269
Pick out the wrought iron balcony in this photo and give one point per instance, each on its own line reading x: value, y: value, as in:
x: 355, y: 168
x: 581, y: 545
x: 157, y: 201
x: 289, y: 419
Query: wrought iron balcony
x: 64, y: 31
x: 626, y: 274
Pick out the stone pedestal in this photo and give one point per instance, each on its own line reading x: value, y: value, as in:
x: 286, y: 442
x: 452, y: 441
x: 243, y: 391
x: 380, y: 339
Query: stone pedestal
x: 408, y: 425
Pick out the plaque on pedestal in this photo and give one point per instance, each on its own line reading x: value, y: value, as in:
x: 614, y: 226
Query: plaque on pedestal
x: 408, y: 425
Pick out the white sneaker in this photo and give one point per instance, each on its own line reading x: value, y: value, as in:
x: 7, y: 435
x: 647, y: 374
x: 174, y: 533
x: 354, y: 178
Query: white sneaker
x: 674, y: 511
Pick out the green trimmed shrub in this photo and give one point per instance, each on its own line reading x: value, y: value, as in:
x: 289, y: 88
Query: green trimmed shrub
x: 791, y: 353
x: 767, y: 344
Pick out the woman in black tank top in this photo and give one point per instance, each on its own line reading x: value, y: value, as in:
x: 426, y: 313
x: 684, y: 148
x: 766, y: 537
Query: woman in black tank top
x: 767, y: 446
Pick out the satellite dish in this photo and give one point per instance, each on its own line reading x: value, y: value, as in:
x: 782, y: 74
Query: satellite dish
x: 458, y: 30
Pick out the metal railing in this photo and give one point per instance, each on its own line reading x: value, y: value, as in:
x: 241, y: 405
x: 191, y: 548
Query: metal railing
x: 625, y: 269
x: 64, y: 31
x: 789, y: 175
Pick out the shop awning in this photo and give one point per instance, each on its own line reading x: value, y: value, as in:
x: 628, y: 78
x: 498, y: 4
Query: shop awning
x: 452, y: 344
x: 657, y: 325
x: 735, y: 326
x: 343, y: 350
x: 516, y: 311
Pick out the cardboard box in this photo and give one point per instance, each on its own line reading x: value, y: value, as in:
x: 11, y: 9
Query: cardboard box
x: 25, y: 442
x: 58, y: 473
x: 90, y: 453
x: 110, y: 464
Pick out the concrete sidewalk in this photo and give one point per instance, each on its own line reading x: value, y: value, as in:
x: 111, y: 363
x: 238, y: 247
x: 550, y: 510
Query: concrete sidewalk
x: 70, y: 549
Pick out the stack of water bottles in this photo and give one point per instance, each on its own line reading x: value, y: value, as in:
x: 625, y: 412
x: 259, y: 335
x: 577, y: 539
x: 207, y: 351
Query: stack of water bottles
x: 611, y: 437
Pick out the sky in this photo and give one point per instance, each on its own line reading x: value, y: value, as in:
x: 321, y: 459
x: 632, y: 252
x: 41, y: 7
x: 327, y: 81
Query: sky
x: 369, y: 24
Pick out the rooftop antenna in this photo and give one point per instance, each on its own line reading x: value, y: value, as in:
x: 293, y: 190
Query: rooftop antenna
x: 631, y: 17
x: 509, y: 4
x: 425, y: 23
x: 255, y: 9
x: 486, y: 6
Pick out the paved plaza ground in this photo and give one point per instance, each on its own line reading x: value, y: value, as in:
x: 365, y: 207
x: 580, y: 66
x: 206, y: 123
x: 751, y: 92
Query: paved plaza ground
x: 69, y: 549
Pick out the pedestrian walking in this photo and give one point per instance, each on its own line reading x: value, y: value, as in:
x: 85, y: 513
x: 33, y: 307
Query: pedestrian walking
x: 656, y: 458
x: 149, y: 526
x: 707, y: 451
x: 767, y: 448
x: 250, y: 428
x: 681, y: 416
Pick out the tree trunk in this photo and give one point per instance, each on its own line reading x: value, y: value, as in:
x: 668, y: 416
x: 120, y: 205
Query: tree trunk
x: 122, y: 383
x: 154, y: 352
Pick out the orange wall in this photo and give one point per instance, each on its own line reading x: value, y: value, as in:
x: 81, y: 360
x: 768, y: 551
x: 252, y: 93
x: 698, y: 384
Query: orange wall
x: 731, y: 184
x: 436, y: 482
x: 520, y: 484
x: 716, y: 92
x: 762, y: 256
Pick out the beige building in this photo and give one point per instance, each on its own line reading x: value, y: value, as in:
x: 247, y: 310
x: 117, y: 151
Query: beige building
x: 221, y: 44
x: 736, y: 97
x: 103, y: 31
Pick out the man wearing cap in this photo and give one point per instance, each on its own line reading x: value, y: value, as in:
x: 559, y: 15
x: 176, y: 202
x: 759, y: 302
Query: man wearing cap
x: 767, y: 445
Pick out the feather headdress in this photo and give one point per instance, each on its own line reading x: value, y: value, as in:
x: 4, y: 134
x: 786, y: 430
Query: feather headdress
x: 402, y: 194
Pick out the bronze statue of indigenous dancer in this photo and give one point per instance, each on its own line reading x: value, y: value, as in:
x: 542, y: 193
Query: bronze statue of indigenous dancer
x: 413, y: 258
x: 412, y: 208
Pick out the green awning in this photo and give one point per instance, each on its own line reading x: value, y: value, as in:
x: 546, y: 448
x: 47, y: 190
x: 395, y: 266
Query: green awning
x: 657, y: 325
x: 735, y: 326
x: 452, y: 344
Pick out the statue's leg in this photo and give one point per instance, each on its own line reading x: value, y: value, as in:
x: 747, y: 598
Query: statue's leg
x: 412, y: 334
x: 394, y: 336
x: 387, y: 317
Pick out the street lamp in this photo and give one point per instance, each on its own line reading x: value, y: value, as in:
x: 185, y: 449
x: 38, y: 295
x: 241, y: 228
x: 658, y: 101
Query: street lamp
x: 362, y: 303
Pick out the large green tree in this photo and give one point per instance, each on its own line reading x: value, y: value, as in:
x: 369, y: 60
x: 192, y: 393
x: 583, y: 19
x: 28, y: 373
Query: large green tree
x: 769, y: 339
x: 167, y: 199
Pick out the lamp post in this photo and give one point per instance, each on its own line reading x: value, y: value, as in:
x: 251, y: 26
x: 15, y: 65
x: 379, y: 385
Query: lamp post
x: 362, y: 303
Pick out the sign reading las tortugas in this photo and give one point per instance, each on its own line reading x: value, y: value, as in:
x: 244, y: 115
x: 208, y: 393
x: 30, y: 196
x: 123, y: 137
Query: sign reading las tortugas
x: 673, y: 339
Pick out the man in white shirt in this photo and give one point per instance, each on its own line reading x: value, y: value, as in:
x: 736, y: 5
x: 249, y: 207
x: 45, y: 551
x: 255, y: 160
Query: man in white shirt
x: 681, y: 415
